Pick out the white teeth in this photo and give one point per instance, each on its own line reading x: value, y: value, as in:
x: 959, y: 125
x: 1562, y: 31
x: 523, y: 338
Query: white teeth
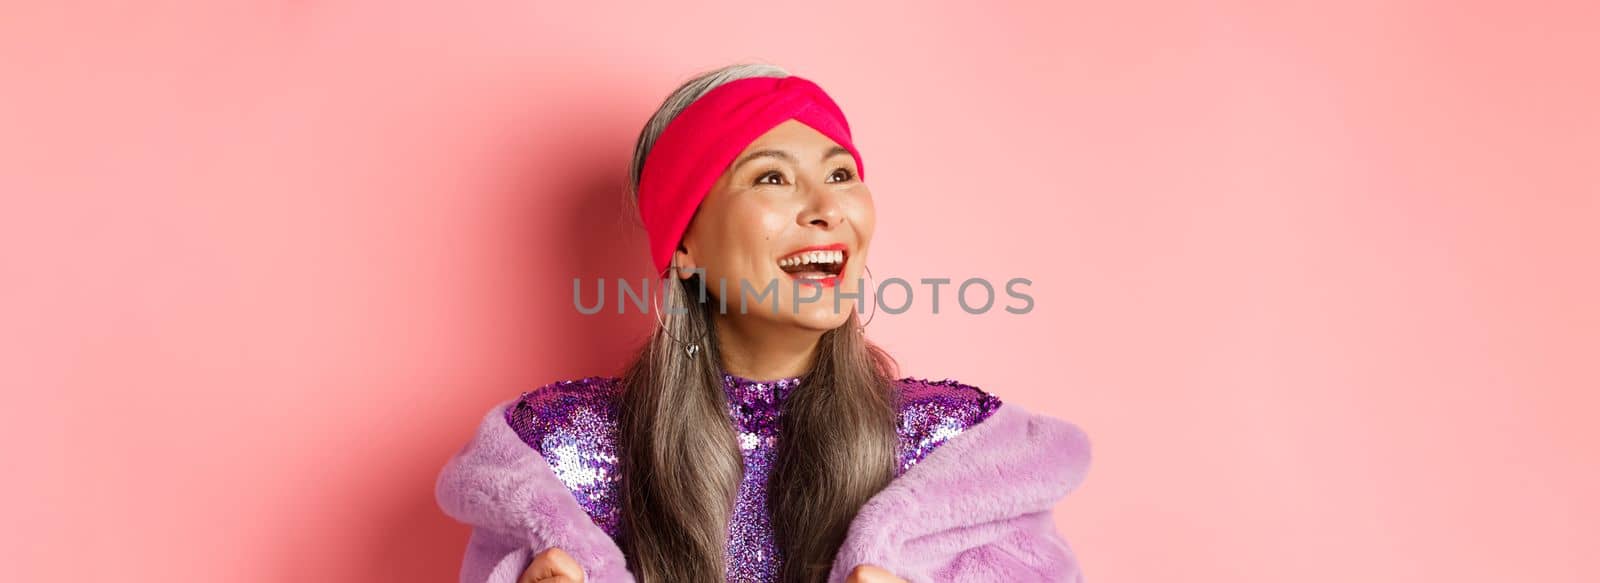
x: 813, y: 257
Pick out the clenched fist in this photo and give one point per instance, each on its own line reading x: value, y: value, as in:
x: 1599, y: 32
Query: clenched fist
x: 552, y: 566
x: 865, y: 573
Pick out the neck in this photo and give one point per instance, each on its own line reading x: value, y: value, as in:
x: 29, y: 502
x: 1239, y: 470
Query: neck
x: 763, y: 351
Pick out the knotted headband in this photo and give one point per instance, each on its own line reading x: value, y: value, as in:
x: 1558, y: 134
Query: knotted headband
x: 697, y: 145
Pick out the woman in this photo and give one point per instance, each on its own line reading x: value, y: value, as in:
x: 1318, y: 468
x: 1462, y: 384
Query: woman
x: 757, y: 435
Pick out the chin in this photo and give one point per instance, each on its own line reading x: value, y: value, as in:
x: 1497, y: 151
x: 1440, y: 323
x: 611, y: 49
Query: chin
x: 821, y: 318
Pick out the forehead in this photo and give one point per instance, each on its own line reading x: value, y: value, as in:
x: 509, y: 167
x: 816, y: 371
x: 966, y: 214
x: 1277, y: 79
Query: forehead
x: 791, y: 135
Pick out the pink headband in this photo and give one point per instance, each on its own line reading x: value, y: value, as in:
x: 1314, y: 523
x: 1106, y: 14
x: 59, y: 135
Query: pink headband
x: 691, y: 154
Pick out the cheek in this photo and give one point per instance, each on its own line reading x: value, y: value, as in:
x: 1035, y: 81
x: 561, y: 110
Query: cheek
x: 755, y: 226
x: 748, y: 237
x: 865, y: 216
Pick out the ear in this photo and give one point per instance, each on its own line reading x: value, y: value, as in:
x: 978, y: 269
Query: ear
x: 685, y: 261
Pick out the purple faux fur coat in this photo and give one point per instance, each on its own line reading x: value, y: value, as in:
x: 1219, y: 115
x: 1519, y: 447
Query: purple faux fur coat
x: 978, y: 508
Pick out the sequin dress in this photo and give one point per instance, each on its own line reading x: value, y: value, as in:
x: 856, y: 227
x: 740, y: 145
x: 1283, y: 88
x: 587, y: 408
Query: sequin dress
x: 573, y: 425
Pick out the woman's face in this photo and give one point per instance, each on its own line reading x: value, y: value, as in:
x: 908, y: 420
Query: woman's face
x: 790, y: 191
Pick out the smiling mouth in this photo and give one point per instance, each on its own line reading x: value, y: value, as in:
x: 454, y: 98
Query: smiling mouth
x: 821, y: 266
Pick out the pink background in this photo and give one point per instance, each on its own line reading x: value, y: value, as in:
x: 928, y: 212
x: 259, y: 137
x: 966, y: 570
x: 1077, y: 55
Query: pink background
x: 1319, y: 282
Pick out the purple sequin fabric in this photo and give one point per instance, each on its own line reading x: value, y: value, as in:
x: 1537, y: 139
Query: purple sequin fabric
x: 573, y: 425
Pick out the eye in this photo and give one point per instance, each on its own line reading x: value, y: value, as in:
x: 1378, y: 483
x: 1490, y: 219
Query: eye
x: 842, y: 175
x: 765, y: 178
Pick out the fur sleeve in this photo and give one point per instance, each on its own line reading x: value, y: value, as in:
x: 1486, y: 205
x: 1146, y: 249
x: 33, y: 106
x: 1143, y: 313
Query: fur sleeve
x: 506, y: 491
x: 492, y: 558
x: 977, y: 509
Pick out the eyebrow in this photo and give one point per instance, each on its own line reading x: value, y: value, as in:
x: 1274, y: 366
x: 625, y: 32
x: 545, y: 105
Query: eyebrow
x: 782, y: 155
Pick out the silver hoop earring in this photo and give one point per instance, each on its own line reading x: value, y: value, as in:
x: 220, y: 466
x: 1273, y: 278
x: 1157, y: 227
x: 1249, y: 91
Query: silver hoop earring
x: 690, y: 349
x: 863, y: 327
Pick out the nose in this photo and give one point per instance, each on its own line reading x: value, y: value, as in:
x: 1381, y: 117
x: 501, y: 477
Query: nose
x: 822, y: 208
